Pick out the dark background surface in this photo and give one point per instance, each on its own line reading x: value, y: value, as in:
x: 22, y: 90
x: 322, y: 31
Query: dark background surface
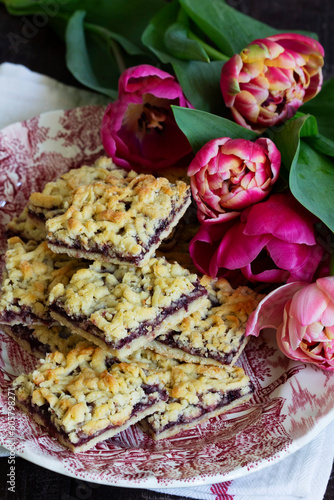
x: 45, y: 53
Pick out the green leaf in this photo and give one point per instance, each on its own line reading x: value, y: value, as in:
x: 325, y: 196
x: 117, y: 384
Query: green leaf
x: 312, y: 183
x: 287, y: 137
x: 154, y: 34
x: 229, y: 29
x: 321, y: 144
x: 311, y: 176
x: 322, y: 107
x: 180, y: 46
x: 128, y: 18
x: 200, y: 127
x: 200, y: 83
x: 21, y: 7
x: 79, y: 61
x: 108, y: 35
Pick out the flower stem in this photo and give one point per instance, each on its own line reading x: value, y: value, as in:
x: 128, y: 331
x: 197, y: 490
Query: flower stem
x: 214, y: 54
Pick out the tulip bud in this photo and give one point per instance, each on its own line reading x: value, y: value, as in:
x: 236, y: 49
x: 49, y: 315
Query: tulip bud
x: 271, y: 78
x: 303, y: 315
x: 228, y: 175
x: 138, y: 130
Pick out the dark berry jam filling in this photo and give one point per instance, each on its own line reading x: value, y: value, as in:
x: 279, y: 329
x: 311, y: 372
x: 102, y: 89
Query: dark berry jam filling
x: 226, y: 399
x: 24, y: 315
x: 38, y: 217
x: 24, y: 333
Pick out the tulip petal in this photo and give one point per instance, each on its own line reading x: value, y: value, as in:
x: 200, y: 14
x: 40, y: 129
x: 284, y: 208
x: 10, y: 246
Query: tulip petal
x: 291, y: 256
x: 245, y: 248
x: 246, y: 150
x: 269, y: 312
x: 267, y: 276
x: 147, y: 79
x: 283, y: 217
x: 299, y: 43
x: 309, y: 304
x: 204, y: 244
x: 326, y: 285
x: 247, y: 105
x: 279, y: 79
x: 327, y: 318
x: 295, y: 330
x: 229, y: 79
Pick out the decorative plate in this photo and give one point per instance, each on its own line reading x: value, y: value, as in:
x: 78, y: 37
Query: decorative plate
x: 292, y: 403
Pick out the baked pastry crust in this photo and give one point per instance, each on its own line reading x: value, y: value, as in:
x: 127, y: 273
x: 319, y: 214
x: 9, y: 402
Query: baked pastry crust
x: 196, y: 392
x: 31, y: 270
x: 81, y: 400
x: 214, y: 334
x: 122, y: 308
x: 120, y: 220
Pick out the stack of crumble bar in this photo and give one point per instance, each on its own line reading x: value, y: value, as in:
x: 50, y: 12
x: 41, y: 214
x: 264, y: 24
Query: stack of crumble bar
x: 123, y: 333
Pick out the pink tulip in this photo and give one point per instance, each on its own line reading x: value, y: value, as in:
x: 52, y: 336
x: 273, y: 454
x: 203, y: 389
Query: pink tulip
x: 139, y: 130
x: 303, y: 315
x: 266, y: 83
x: 227, y: 175
x: 273, y: 242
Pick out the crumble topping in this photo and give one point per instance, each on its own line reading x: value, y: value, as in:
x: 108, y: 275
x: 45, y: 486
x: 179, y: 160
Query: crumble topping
x: 57, y: 195
x: 218, y: 328
x: 31, y: 270
x: 120, y: 218
x: 83, y: 396
x: 119, y: 299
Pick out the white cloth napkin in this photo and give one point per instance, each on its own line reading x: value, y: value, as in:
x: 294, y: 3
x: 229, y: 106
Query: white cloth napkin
x: 25, y: 94
x: 303, y: 475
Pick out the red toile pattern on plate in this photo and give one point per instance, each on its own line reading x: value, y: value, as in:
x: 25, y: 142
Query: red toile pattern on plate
x: 292, y: 403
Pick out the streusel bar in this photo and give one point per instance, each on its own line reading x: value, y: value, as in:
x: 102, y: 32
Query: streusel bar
x: 40, y: 340
x: 26, y: 228
x: 31, y: 270
x: 121, y: 220
x: 122, y: 308
x: 82, y: 400
x: 196, y: 392
x: 215, y: 334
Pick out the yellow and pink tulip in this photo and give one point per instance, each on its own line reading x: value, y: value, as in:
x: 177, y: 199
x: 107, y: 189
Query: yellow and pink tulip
x: 271, y: 78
